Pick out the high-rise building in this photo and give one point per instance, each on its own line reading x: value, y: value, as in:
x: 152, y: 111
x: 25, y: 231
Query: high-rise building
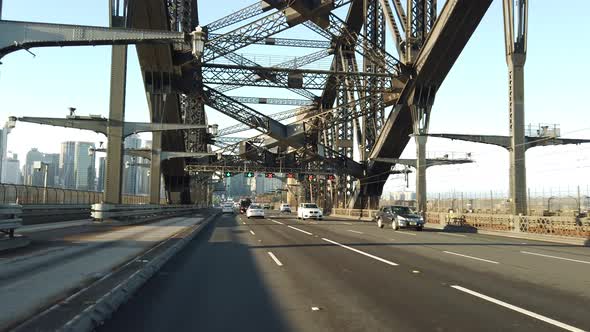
x: 31, y: 176
x: 143, y: 173
x: 101, y: 174
x: 130, y: 172
x: 52, y: 161
x: 66, y: 165
x: 265, y: 185
x: 12, y: 173
x: 84, y: 166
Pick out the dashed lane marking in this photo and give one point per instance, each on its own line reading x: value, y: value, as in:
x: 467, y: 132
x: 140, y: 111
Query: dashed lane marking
x: 277, y: 222
x: 518, y: 309
x: 350, y: 230
x: 274, y: 258
x: 556, y: 257
x: 471, y: 257
x: 362, y: 252
x: 302, y: 231
x: 252, y: 232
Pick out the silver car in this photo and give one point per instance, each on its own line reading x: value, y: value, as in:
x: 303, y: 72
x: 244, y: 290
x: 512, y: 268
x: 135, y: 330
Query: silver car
x: 399, y: 217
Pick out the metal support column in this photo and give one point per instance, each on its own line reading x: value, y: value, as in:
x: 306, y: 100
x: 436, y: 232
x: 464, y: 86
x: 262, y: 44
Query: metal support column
x: 421, y: 172
x: 158, y: 105
x: 515, y: 36
x: 114, y: 162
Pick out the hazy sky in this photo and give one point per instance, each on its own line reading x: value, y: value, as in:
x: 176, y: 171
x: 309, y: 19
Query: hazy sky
x: 473, y: 98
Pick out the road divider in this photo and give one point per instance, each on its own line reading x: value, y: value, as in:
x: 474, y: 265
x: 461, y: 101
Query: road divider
x: 362, y: 252
x: 471, y: 257
x: 518, y: 309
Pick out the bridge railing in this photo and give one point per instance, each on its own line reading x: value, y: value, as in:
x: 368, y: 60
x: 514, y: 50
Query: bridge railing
x: 357, y: 213
x: 542, y: 225
x: 31, y: 195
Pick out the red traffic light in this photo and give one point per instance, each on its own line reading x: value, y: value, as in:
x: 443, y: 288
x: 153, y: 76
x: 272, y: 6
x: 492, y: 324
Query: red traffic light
x: 290, y: 176
x: 331, y: 177
x: 310, y: 177
x: 270, y: 175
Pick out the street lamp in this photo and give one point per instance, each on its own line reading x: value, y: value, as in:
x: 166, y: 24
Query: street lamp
x: 38, y: 166
x: 198, y: 41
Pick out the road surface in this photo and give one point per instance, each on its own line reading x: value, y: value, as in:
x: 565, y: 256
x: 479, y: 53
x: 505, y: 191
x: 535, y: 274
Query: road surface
x: 280, y: 274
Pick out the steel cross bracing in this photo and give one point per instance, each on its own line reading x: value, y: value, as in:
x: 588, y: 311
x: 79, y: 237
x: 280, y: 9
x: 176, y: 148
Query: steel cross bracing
x: 289, y: 42
x: 273, y: 101
x: 280, y: 116
x: 247, y: 34
x: 294, y: 63
x: 305, y: 78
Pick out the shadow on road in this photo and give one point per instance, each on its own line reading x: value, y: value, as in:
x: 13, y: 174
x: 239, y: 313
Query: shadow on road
x: 212, y: 285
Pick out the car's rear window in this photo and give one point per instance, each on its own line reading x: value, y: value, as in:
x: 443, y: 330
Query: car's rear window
x: 310, y: 206
x: 255, y: 206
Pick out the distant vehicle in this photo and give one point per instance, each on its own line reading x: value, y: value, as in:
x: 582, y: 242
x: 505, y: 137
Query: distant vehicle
x: 266, y: 206
x: 255, y: 210
x: 399, y: 217
x: 309, y: 210
x: 244, y: 204
x: 227, y: 207
x: 285, y: 208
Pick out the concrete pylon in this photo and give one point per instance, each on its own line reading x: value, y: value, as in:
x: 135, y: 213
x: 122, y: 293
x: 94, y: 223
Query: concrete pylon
x: 421, y: 172
x: 515, y: 37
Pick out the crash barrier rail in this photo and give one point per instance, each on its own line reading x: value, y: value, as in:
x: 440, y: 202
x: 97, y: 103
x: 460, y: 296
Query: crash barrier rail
x: 25, y: 195
x: 358, y: 213
x: 101, y: 211
x: 10, y: 218
x: 543, y: 225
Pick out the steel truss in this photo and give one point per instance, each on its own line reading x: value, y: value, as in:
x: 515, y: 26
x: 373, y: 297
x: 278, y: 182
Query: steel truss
x: 282, y: 77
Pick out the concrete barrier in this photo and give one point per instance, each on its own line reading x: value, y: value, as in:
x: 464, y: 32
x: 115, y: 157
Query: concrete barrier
x: 103, y: 212
x: 10, y: 218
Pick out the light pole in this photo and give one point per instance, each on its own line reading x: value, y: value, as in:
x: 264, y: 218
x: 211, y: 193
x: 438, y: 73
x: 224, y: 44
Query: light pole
x: 41, y: 166
x: 549, y: 203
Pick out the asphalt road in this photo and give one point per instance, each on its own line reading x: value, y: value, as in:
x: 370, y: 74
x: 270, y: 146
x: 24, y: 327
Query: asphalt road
x: 280, y: 274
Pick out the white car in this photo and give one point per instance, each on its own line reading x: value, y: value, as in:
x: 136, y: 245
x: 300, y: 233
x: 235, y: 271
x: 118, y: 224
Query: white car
x: 227, y: 208
x: 309, y: 210
x: 255, y: 210
x: 285, y: 208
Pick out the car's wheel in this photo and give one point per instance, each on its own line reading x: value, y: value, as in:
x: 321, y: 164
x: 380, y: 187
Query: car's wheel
x: 394, y: 225
x: 379, y: 223
x: 419, y: 228
x: 248, y: 217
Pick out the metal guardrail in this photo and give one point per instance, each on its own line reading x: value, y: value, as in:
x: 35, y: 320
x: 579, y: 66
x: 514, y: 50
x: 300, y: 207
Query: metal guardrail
x: 10, y: 218
x: 543, y: 225
x: 103, y: 211
x: 26, y: 195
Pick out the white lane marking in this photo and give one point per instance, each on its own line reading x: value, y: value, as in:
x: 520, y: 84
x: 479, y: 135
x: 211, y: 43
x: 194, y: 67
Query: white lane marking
x: 350, y: 230
x: 415, y: 271
x: 315, y: 308
x: 451, y: 234
x: 361, y: 252
x: 302, y: 231
x: 556, y: 257
x: 347, y: 223
x: 405, y: 233
x: 479, y: 259
x: 243, y: 222
x: 278, y: 222
x: 274, y: 258
x: 252, y: 232
x: 518, y: 309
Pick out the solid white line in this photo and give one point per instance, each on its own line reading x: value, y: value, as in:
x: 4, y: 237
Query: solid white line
x: 518, y: 309
x: 556, y: 257
x: 405, y: 233
x: 361, y: 252
x: 302, y: 231
x: 350, y: 230
x: 252, y: 232
x: 274, y: 258
x: 451, y: 234
x: 278, y: 222
x: 479, y: 259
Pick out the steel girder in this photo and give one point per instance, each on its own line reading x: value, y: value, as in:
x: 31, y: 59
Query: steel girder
x: 245, y: 13
x: 273, y: 101
x: 280, y: 116
x: 308, y: 79
x: 287, y: 42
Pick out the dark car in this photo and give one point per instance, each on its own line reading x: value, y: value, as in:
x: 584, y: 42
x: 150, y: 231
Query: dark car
x: 399, y: 217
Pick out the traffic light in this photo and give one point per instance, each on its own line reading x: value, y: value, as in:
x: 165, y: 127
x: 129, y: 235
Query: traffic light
x: 270, y: 175
x: 290, y: 176
x: 310, y: 177
x: 249, y: 174
x: 331, y: 177
x: 227, y: 174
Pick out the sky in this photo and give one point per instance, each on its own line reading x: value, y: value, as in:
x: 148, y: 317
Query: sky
x: 472, y: 100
